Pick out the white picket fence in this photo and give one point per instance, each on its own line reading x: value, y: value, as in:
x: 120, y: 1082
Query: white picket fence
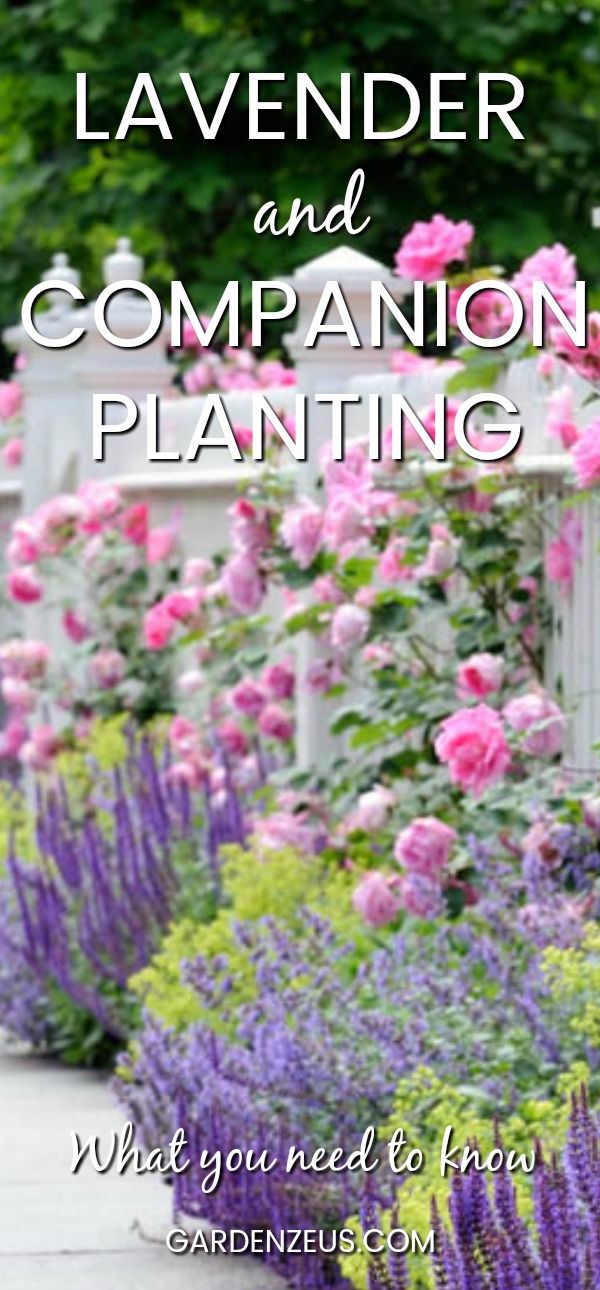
x: 59, y: 384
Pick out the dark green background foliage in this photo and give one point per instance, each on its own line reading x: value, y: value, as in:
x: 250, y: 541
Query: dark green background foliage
x: 190, y: 204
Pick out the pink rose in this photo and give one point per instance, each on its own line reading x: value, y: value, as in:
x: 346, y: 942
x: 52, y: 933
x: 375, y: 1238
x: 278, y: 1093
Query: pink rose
x: 75, y: 627
x: 41, y: 747
x: 473, y: 744
x: 198, y: 378
x: 584, y: 361
x: 391, y: 566
x: 374, y: 900
x: 160, y: 544
x: 275, y: 723
x: 553, y: 265
x: 542, y: 841
x: 11, y: 398
x: 190, y: 682
x: 421, y: 896
x: 280, y: 679
x: 107, y: 668
x: 243, y: 584
x: 244, y: 437
x: 18, y: 694
x: 159, y: 627
x: 322, y: 675
x: 302, y: 531
x: 349, y: 627
x: 232, y: 738
x: 184, y: 737
x: 197, y: 570
x: 427, y: 249
x: 27, y: 659
x: 250, y: 528
x: 134, y: 523
x: 480, y: 675
x: 248, y: 698
x: 344, y: 519
x: 538, y: 717
x: 563, y: 552
x: 287, y: 829
x: 424, y: 846
x: 24, y: 585
x: 372, y: 809
x: 441, y: 554
x: 13, y: 737
x: 24, y: 545
x: 12, y: 453
x: 585, y: 455
x: 101, y: 501
x: 560, y: 417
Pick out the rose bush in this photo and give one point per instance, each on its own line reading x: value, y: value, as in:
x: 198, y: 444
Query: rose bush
x: 410, y: 914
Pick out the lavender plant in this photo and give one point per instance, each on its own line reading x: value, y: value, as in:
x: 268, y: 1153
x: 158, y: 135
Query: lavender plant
x: 310, y: 1053
x: 487, y: 1245
x: 110, y: 874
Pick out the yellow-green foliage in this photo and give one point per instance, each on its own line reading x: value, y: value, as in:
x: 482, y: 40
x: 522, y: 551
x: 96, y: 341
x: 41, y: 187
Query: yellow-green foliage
x: 574, y: 977
x: 424, y: 1106
x: 16, y: 824
x: 279, y: 884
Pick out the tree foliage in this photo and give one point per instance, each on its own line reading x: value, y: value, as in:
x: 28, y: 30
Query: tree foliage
x: 190, y: 204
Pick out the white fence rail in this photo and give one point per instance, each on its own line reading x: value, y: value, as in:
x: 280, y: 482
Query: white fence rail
x: 58, y: 453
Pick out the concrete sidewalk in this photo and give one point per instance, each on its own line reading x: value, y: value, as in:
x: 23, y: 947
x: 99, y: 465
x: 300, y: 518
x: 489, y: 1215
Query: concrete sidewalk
x: 65, y: 1232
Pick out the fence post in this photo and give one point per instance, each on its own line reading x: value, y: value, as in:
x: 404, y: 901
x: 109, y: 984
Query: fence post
x: 107, y: 369
x: 329, y: 367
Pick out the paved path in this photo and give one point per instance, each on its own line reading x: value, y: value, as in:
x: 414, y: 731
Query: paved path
x: 85, y: 1232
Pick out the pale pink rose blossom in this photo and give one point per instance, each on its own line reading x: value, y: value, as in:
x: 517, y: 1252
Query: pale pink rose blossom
x: 421, y: 896
x: 560, y: 416
x: 556, y: 267
x: 546, y: 364
x: 326, y: 591
x: 107, y: 668
x: 11, y: 399
x: 584, y: 361
x: 40, y: 748
x: 563, y: 552
x: 250, y: 528
x: 374, y: 900
x: 12, y: 453
x: 322, y: 676
x: 540, y: 719
x: 542, y: 842
x: 428, y: 248
x: 18, y: 694
x: 197, y: 570
x: 24, y: 545
x: 190, y: 682
x: 585, y: 455
x: 302, y: 531
x: 390, y: 566
x: 184, y: 737
x: 349, y: 627
x: 473, y: 744
x: 424, y: 846
x: 372, y: 809
x: 287, y: 829
x: 480, y: 675
x: 160, y: 544
x: 242, y: 583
